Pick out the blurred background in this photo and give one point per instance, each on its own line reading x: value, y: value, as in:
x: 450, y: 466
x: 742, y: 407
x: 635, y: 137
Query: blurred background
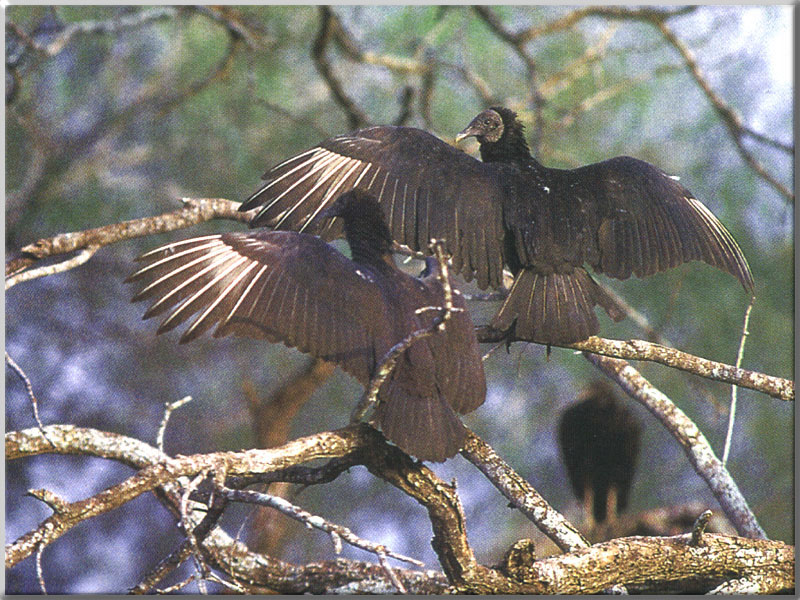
x: 115, y: 113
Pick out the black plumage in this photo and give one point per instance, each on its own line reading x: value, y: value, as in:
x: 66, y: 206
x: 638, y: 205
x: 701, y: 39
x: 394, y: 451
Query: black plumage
x: 295, y: 288
x: 599, y: 439
x: 621, y: 216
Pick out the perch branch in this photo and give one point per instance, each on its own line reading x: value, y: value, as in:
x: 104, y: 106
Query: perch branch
x: 305, y: 517
x: 777, y: 387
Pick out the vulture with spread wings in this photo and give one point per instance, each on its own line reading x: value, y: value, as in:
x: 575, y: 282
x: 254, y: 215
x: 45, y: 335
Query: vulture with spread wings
x: 295, y: 288
x: 621, y: 216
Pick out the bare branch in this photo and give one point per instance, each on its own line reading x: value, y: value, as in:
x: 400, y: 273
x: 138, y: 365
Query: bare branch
x: 28, y: 388
x: 168, y: 408
x: 194, y: 211
x: 517, y: 43
x: 649, y: 563
x: 356, y: 117
x: 694, y: 443
x: 81, y: 258
x: 735, y: 388
x: 777, y: 387
x: 305, y: 517
x: 522, y: 495
x: 640, y: 563
x: 111, y: 26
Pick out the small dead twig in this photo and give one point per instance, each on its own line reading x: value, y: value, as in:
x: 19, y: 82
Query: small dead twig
x: 699, y: 527
x: 337, y: 532
x: 39, y: 571
x: 82, y: 257
x: 29, y: 389
x: 735, y: 388
x: 168, y: 408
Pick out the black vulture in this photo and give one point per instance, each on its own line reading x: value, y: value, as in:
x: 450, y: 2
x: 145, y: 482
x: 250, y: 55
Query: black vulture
x: 295, y: 288
x: 599, y: 439
x: 621, y: 216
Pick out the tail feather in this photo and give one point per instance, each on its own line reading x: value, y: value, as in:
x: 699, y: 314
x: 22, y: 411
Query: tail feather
x: 423, y: 427
x: 556, y: 308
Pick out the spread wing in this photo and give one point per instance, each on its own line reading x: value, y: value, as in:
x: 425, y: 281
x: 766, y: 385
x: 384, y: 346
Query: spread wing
x: 459, y: 375
x: 282, y: 286
x: 648, y: 222
x: 427, y: 189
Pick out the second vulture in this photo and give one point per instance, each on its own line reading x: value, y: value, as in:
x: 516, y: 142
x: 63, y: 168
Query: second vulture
x: 295, y: 288
x: 621, y: 216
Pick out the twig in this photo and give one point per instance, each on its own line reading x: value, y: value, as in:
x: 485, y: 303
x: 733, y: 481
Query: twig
x: 39, y: 571
x: 522, y: 495
x: 82, y: 257
x: 649, y: 14
x: 735, y: 388
x: 166, y: 566
x: 168, y: 408
x: 389, y: 360
x: 29, y: 389
x: 699, y: 527
x: 691, y: 439
x: 298, y: 514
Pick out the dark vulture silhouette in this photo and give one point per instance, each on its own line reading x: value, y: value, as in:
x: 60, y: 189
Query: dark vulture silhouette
x: 295, y: 288
x: 621, y: 216
x: 599, y: 439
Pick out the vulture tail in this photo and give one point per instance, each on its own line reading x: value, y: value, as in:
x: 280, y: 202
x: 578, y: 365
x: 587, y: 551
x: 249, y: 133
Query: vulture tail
x: 557, y: 308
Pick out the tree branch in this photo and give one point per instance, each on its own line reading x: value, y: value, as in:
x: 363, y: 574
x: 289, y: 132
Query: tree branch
x: 356, y: 117
x: 194, y: 211
x: 777, y: 387
x: 641, y: 563
x: 522, y: 495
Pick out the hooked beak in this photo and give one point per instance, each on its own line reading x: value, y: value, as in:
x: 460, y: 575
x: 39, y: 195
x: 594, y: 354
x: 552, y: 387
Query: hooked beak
x: 468, y: 132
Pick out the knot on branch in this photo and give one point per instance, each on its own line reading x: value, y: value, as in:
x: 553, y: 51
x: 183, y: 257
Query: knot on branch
x: 518, y: 559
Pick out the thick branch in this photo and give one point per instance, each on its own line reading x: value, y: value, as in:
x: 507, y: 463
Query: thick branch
x: 658, y: 563
x: 694, y: 443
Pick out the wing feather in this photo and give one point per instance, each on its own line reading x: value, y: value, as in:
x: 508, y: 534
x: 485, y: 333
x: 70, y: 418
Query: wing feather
x: 414, y: 165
